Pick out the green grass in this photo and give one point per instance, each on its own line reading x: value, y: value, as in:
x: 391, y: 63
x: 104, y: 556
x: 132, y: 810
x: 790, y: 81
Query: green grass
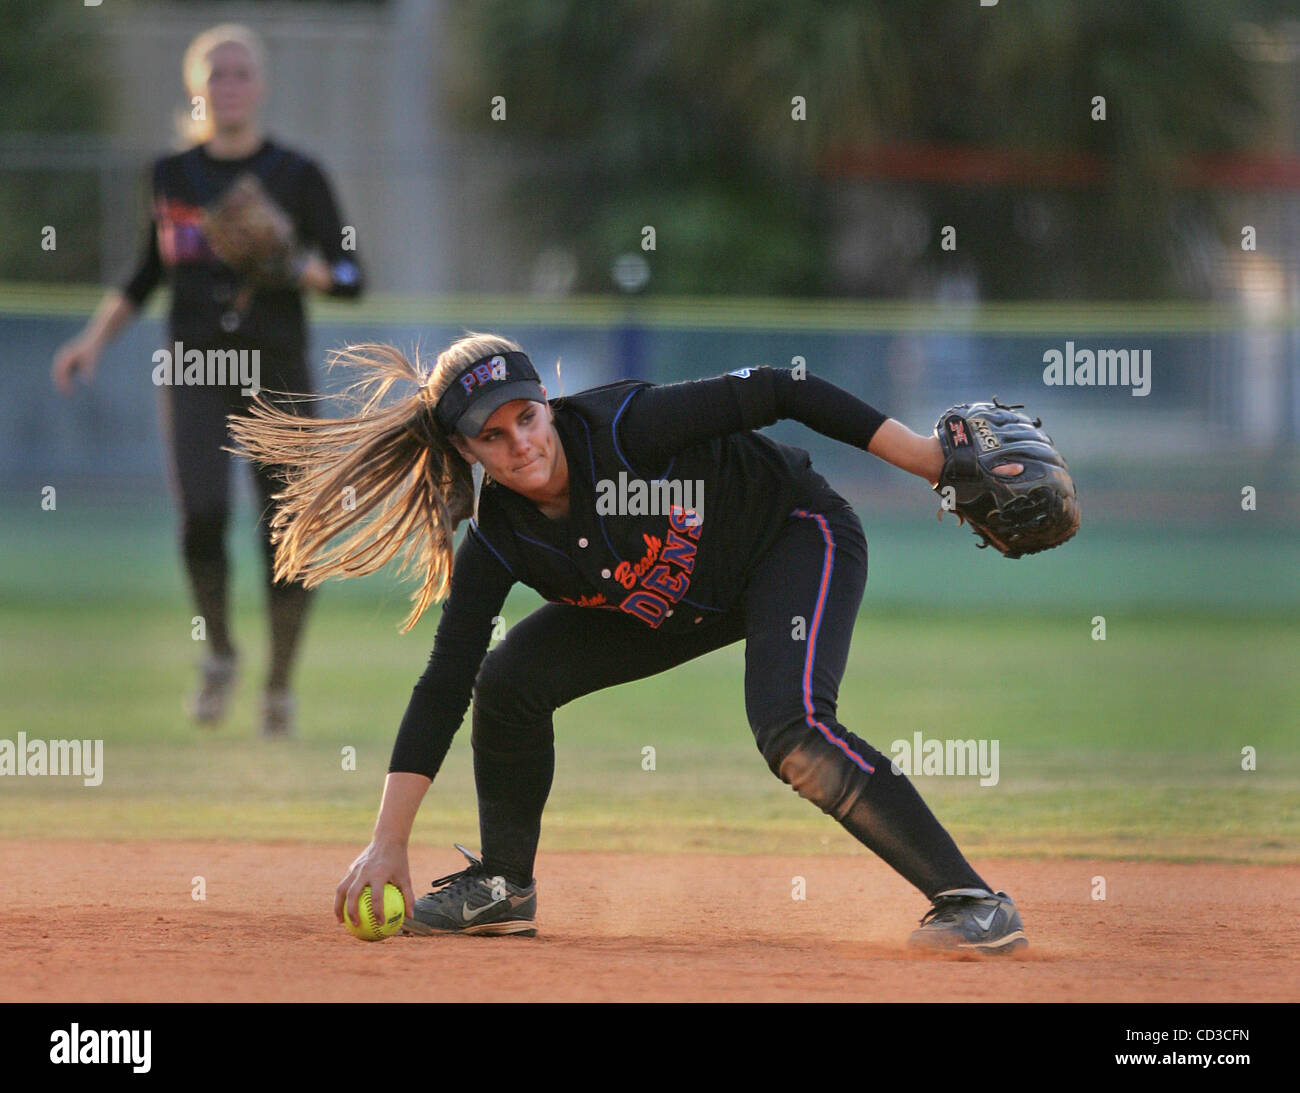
x: 1128, y: 747
x: 118, y: 551
x: 720, y: 312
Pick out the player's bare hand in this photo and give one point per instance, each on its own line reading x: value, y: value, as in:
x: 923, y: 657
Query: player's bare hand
x: 377, y: 865
x: 77, y: 357
x: 315, y: 273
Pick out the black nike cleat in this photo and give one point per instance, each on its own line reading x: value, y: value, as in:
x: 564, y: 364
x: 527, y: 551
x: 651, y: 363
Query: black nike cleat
x: 971, y: 920
x: 474, y: 902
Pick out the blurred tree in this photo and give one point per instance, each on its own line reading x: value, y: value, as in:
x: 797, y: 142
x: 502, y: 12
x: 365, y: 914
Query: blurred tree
x: 51, y: 85
x: 626, y: 137
x: 679, y: 116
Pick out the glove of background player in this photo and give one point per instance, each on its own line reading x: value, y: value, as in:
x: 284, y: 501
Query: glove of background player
x: 1034, y: 510
x: 252, y: 235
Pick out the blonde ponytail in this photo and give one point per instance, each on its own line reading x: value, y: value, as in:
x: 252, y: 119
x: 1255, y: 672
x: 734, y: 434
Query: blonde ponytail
x: 385, y: 477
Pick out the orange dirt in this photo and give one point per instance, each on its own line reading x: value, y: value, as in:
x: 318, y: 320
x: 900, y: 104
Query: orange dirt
x: 116, y: 922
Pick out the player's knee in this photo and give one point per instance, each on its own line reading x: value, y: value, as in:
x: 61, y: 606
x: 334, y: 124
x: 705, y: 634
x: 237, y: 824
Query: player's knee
x: 496, y: 684
x: 832, y: 775
x: 203, y: 534
x: 506, y: 693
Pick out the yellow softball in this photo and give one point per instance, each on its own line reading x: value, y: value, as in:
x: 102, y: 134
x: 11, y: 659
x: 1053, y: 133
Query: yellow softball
x: 371, y: 928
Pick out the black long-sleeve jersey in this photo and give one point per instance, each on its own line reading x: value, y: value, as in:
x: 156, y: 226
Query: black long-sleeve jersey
x: 674, y: 568
x: 203, y: 289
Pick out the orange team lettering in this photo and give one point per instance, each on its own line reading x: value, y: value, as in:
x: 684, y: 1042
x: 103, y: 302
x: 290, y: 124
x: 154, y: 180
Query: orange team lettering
x: 627, y: 575
x: 685, y: 520
x: 180, y: 232
x: 662, y: 586
x: 585, y: 601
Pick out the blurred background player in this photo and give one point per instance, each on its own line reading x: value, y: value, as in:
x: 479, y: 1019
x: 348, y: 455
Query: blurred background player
x: 211, y: 309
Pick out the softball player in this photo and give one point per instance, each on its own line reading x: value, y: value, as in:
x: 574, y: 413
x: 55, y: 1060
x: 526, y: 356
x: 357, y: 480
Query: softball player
x: 212, y: 310
x: 764, y: 542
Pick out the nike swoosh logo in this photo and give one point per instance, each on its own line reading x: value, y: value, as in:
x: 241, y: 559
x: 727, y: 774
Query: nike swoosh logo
x: 987, y: 922
x: 470, y: 916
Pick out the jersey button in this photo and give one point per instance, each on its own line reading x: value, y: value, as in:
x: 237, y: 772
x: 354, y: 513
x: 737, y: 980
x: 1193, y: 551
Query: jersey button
x: 582, y: 542
x: 670, y: 613
x: 699, y: 618
x: 605, y: 573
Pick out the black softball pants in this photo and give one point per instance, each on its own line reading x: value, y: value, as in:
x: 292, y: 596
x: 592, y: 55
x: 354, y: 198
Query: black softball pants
x: 195, y: 430
x: 796, y: 616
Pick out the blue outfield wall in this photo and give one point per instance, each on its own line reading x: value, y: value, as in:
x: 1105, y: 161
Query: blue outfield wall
x: 1223, y: 403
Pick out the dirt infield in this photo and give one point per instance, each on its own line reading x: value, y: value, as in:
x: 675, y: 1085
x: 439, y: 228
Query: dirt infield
x: 117, y: 922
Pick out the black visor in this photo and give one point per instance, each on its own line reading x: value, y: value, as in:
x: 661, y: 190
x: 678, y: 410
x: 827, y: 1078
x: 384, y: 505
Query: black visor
x: 483, y: 386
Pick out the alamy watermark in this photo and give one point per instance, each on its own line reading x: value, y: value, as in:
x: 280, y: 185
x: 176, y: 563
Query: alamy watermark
x: 113, y: 1046
x: 181, y: 367
x: 82, y: 759
x: 1098, y: 368
x: 637, y: 497
x: 947, y: 756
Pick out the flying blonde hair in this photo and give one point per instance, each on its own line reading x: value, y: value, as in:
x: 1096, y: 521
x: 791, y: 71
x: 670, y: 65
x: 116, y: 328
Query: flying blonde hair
x: 194, y: 71
x: 387, y: 477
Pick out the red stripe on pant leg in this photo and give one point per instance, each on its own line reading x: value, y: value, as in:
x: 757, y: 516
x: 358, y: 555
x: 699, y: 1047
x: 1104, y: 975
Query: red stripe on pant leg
x: 827, y: 567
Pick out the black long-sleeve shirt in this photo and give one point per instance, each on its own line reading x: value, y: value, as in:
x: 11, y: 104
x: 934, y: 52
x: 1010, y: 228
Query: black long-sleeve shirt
x: 699, y: 427
x: 203, y: 289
